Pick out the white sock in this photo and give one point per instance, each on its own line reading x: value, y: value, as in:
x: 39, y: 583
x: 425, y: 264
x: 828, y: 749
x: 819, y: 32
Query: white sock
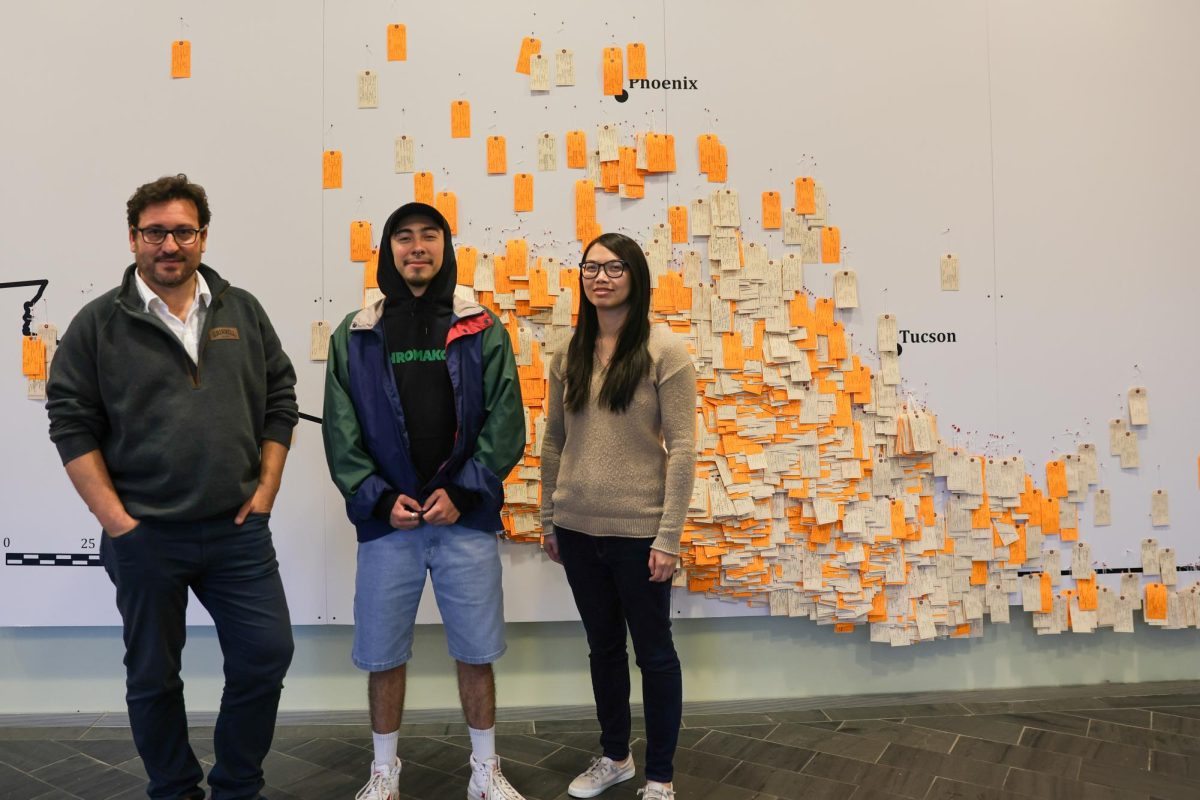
x: 385, y: 748
x: 483, y: 743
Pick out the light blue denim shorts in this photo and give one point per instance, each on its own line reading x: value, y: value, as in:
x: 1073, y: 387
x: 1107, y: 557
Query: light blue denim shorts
x: 464, y: 565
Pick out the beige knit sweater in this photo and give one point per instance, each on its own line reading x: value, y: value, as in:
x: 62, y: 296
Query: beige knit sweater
x: 627, y: 474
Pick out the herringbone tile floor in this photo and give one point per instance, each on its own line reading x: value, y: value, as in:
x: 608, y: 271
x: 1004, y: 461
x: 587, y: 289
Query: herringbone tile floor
x: 1097, y: 742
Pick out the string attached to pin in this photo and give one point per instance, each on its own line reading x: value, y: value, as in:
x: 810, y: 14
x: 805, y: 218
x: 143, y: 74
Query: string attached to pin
x: 27, y: 316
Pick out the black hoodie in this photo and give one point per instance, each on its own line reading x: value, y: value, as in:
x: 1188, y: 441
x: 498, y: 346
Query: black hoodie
x: 416, y: 329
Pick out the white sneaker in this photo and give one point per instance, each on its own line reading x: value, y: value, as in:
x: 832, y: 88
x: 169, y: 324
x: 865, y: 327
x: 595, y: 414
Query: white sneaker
x: 603, y: 773
x: 384, y: 783
x: 488, y: 783
x: 656, y: 791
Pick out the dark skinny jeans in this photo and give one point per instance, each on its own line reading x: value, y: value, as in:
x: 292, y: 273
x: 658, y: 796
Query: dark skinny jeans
x: 610, y: 579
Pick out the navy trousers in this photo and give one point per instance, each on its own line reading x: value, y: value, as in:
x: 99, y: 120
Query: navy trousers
x: 233, y: 572
x: 610, y: 579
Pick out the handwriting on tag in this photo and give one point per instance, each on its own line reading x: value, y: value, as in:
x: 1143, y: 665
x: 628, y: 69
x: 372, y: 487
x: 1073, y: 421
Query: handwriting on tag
x: 845, y: 288
x: 564, y: 67
x: 1139, y: 406
x: 368, y: 89
x: 318, y: 347
x: 1159, y: 514
x: 405, y: 159
x: 949, y: 272
x: 181, y: 59
x: 397, y: 42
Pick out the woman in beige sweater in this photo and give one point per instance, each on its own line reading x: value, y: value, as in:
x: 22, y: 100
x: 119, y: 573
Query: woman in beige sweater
x: 618, y: 463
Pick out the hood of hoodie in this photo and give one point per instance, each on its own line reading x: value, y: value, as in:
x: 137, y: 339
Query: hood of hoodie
x: 440, y: 291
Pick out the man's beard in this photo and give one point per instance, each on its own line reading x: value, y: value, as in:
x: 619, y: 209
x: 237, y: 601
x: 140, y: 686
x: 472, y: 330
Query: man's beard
x: 168, y: 280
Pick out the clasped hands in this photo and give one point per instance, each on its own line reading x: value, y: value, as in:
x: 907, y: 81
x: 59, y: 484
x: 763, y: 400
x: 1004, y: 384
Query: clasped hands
x: 407, y: 513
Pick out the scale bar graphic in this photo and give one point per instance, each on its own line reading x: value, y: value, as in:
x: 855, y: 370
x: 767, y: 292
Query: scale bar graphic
x: 52, y: 559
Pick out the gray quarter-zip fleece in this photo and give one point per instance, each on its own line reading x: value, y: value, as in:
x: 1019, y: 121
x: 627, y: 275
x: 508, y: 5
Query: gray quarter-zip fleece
x: 181, y: 439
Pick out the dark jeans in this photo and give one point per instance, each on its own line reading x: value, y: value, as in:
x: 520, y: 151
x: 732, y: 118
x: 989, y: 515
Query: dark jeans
x: 610, y: 578
x: 233, y: 572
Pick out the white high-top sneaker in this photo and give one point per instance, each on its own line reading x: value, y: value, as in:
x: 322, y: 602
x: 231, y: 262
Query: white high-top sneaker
x: 384, y: 783
x: 489, y: 783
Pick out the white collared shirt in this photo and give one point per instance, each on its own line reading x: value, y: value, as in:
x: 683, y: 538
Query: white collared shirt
x: 188, y: 329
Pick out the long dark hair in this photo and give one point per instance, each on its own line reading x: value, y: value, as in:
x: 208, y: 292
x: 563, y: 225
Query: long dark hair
x: 631, y: 357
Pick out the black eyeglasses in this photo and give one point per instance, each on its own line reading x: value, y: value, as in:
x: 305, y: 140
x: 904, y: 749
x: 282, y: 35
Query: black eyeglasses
x: 182, y: 236
x: 613, y: 269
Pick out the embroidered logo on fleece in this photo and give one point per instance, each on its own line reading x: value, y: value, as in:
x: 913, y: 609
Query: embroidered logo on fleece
x: 217, y: 334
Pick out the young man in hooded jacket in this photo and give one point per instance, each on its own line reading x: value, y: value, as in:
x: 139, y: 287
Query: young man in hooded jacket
x: 423, y: 421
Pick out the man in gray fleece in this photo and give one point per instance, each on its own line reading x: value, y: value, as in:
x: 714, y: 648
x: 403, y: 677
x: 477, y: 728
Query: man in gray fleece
x: 172, y: 405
